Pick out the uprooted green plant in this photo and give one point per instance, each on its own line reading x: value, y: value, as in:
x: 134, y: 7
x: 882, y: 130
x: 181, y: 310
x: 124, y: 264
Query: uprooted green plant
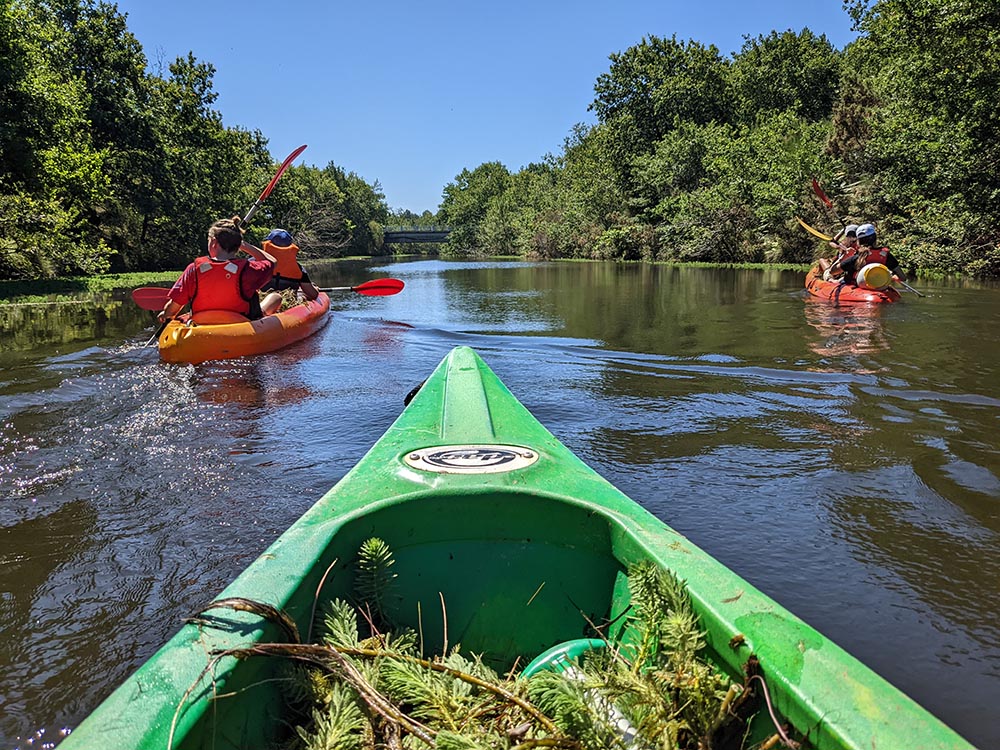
x: 368, y: 686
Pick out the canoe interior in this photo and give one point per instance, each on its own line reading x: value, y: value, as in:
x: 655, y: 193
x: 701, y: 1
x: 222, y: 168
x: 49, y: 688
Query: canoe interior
x: 546, y: 567
x: 518, y: 572
x: 510, y: 589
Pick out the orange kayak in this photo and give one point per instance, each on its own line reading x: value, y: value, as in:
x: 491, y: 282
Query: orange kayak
x: 844, y: 293
x: 182, y: 341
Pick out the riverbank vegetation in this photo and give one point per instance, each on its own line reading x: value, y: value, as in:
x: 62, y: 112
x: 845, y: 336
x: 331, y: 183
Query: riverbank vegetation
x: 109, y: 166
x: 696, y: 156
x: 70, y: 288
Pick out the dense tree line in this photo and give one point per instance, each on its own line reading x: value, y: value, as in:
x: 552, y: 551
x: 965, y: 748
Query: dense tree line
x: 700, y: 157
x: 105, y: 165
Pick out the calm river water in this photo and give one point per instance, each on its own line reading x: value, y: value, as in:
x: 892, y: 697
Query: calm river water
x: 844, y: 461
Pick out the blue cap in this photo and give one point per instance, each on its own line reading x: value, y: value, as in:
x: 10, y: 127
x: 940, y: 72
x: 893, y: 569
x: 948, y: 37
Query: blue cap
x: 866, y: 230
x: 279, y: 238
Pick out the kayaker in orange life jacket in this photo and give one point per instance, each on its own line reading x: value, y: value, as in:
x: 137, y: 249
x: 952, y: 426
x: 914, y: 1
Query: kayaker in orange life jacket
x: 221, y: 284
x: 288, y: 272
x: 865, y: 254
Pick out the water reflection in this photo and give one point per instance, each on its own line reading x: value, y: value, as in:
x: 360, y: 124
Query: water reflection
x: 31, y: 550
x: 27, y: 327
x: 249, y: 382
x: 38, y: 555
x: 844, y: 330
x: 386, y: 336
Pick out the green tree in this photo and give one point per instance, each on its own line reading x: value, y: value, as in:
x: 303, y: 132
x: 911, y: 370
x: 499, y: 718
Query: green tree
x: 110, y: 61
x: 206, y: 170
x: 928, y: 160
x: 407, y: 218
x: 654, y: 86
x: 787, y: 71
x: 364, y: 210
x: 102, y: 162
x: 309, y: 203
x: 467, y: 200
x: 574, y: 199
x: 721, y: 193
x: 51, y: 173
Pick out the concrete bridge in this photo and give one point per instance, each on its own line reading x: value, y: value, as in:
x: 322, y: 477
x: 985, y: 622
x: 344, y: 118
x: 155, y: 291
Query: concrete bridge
x: 404, y: 235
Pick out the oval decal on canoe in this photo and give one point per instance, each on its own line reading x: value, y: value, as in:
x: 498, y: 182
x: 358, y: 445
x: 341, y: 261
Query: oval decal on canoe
x: 471, y: 459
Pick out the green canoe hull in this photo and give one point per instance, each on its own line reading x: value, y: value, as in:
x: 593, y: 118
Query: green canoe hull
x: 501, y: 538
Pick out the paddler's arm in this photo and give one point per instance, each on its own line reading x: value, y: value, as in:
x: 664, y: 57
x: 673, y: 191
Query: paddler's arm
x: 256, y: 253
x: 308, y: 290
x: 895, y: 269
x: 169, y: 311
x: 306, y: 286
x: 179, y: 291
x: 252, y: 250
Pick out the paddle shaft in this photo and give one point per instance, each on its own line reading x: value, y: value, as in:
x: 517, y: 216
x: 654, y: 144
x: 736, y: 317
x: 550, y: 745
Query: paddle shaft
x: 813, y: 231
x: 156, y: 335
x: 270, y: 186
x: 912, y: 289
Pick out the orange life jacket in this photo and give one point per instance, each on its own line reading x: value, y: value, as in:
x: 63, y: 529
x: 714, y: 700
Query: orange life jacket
x: 287, y: 265
x: 218, y: 285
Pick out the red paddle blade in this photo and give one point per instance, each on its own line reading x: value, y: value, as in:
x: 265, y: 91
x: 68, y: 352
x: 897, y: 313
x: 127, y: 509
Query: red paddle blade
x: 150, y: 297
x: 379, y: 287
x: 270, y: 186
x: 822, y: 196
x: 281, y: 170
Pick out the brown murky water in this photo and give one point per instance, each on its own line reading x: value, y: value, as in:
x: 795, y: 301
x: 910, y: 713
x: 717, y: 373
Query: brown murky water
x: 845, y: 461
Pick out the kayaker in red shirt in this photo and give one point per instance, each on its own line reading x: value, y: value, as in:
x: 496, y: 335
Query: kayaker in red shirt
x: 867, y: 253
x: 220, y: 282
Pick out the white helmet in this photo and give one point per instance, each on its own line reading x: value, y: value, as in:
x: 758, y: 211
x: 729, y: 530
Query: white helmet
x: 851, y: 229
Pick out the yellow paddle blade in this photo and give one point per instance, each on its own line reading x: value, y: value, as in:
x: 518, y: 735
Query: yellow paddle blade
x: 813, y: 231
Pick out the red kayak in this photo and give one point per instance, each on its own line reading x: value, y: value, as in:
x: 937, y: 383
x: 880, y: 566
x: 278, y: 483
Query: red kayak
x: 838, y: 293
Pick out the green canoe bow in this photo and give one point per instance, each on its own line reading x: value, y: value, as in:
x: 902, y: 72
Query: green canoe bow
x: 481, y: 504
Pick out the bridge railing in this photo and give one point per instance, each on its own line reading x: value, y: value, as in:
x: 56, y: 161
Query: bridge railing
x: 430, y: 228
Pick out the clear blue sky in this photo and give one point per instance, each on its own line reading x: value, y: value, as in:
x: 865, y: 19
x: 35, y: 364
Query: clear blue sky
x: 410, y: 93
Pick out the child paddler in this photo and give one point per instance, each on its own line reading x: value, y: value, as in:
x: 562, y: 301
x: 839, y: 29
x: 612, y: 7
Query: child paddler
x: 288, y: 272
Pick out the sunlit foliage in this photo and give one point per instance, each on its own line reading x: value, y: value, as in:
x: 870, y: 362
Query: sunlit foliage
x: 701, y: 158
x: 105, y: 165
